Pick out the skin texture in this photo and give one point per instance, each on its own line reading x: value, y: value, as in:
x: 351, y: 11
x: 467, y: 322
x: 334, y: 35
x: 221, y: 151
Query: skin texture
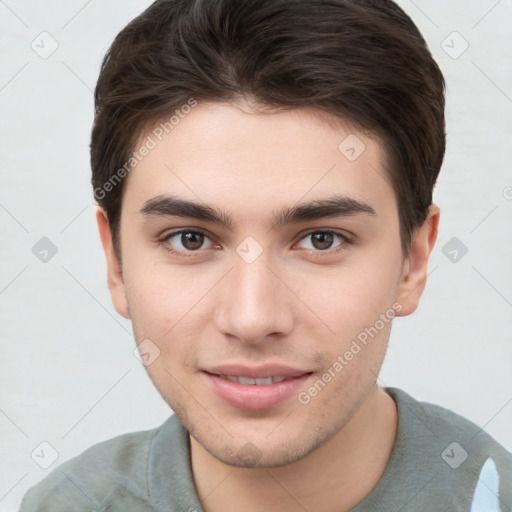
x: 287, y: 306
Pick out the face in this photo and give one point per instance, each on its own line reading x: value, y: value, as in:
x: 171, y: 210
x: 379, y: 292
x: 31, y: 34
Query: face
x: 265, y: 321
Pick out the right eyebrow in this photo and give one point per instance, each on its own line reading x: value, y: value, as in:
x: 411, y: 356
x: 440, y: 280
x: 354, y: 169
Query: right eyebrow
x: 165, y: 205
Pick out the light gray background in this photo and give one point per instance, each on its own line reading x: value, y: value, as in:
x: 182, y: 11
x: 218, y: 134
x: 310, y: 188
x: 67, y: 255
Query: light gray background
x: 68, y: 374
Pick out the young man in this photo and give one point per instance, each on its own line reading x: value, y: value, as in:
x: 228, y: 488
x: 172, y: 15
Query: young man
x: 264, y: 171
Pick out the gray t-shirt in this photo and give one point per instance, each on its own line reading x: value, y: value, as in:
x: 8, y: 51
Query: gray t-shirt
x: 440, y: 462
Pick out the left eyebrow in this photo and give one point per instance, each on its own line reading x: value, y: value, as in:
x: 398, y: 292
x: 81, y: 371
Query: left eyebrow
x: 334, y: 206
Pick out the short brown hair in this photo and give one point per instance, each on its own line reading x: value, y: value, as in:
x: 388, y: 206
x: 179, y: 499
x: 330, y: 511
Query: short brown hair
x: 362, y: 60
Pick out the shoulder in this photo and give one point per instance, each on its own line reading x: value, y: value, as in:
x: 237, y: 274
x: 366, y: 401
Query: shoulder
x: 443, y: 423
x: 457, y: 451
x: 111, y: 469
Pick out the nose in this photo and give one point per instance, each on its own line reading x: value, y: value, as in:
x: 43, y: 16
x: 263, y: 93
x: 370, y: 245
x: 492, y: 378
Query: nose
x: 253, y: 305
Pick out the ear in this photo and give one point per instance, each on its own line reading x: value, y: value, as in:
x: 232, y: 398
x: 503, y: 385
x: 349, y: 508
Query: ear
x: 114, y: 272
x: 414, y: 274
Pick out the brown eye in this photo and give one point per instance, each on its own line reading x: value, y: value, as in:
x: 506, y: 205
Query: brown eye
x: 321, y: 241
x: 191, y: 240
x: 184, y: 242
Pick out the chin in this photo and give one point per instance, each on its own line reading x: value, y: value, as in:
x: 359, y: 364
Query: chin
x: 262, y: 452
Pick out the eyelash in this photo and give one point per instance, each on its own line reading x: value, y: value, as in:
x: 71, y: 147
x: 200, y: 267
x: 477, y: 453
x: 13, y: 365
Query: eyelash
x: 345, y: 240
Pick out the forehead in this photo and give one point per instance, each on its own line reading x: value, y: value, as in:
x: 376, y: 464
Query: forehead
x: 233, y: 156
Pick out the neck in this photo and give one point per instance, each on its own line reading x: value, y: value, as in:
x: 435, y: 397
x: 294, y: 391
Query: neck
x: 333, y: 478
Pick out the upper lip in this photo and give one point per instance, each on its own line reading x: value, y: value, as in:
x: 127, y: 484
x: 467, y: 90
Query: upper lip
x: 267, y: 370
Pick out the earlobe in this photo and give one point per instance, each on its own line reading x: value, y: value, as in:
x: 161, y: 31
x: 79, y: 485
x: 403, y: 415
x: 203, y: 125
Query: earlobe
x: 114, y: 272
x: 414, y: 273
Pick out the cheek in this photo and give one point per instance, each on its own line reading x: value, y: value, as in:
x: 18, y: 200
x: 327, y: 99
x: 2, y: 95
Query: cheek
x: 154, y: 304
x: 166, y: 307
x: 351, y: 297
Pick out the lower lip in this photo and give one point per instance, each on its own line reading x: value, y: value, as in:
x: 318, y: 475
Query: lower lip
x: 254, y: 396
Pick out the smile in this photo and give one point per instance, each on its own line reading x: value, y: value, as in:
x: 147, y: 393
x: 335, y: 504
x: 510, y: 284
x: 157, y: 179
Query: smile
x: 257, y: 392
x: 249, y: 381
